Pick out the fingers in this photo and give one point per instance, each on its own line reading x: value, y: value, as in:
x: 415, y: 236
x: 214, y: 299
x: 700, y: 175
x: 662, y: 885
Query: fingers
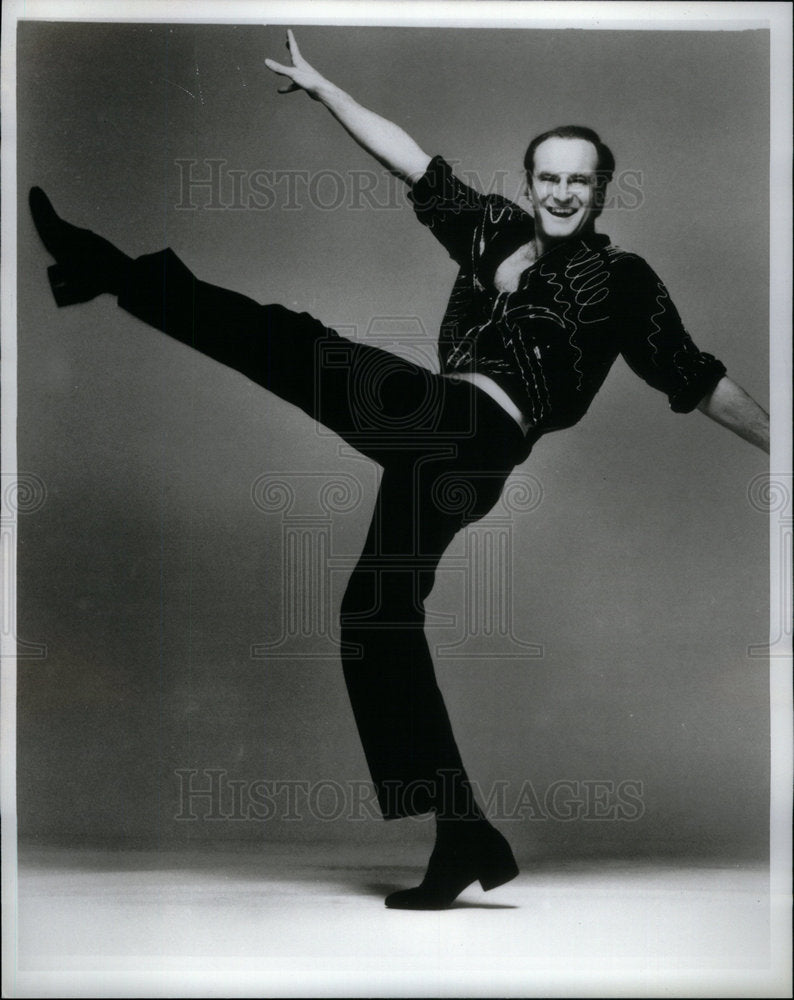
x: 292, y: 45
x: 294, y: 52
x: 288, y: 71
x: 278, y: 67
x: 283, y: 71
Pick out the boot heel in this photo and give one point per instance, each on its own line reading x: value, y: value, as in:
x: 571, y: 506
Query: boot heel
x: 67, y: 288
x: 498, y: 874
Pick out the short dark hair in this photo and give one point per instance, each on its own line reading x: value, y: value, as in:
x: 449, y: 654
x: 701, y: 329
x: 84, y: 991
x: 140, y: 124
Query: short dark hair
x: 606, y: 160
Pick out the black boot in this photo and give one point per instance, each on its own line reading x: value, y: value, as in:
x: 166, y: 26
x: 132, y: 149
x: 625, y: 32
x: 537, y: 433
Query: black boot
x: 466, y: 851
x: 87, y: 264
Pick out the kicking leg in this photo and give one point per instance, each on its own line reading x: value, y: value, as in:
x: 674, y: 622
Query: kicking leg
x: 375, y: 400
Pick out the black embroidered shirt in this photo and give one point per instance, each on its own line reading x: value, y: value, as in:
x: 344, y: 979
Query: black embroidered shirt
x: 550, y: 343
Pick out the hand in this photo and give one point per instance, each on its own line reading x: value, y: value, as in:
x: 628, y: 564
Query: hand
x: 301, y: 74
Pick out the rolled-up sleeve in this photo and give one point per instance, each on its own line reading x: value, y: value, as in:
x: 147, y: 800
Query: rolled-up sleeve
x: 449, y: 208
x: 657, y: 346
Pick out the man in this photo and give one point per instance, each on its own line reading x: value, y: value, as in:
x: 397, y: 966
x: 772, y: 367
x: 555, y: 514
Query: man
x: 541, y: 307
x: 566, y: 179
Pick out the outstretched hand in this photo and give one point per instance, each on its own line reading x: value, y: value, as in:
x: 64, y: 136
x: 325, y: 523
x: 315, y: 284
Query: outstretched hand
x: 384, y: 140
x: 301, y: 75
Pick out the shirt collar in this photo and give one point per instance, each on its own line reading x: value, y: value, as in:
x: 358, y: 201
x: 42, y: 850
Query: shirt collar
x: 590, y: 240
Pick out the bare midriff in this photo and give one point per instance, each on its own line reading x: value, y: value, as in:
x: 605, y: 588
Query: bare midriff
x: 497, y: 394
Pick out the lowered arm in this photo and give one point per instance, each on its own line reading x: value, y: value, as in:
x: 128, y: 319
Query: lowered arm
x: 730, y: 406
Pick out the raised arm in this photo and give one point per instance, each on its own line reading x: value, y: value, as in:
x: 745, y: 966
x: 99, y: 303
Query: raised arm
x: 730, y: 406
x: 384, y: 140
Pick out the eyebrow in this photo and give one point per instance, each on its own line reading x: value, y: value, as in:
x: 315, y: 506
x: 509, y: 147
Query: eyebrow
x: 543, y: 174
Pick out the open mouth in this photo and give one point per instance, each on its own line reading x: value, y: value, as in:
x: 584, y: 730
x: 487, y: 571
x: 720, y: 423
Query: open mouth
x: 562, y: 213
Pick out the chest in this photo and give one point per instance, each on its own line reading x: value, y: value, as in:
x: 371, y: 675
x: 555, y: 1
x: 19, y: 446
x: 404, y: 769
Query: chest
x: 508, y: 273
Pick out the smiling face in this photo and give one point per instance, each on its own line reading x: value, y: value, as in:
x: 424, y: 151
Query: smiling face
x: 562, y: 189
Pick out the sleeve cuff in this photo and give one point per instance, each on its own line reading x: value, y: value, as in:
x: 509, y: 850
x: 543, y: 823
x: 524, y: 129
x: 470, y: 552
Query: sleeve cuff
x: 700, y: 385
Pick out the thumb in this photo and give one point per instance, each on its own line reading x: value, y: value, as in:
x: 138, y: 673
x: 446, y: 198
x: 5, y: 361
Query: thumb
x: 278, y: 67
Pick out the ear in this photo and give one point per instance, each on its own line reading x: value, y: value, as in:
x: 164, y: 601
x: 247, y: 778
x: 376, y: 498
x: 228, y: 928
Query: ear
x: 600, y: 193
x: 526, y: 195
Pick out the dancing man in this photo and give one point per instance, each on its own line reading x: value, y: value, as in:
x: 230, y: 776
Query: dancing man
x: 541, y: 308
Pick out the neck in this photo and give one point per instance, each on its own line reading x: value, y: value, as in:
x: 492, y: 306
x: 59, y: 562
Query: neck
x: 545, y: 243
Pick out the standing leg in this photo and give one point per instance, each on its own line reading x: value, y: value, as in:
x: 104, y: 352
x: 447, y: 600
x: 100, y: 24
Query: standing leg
x: 399, y: 709
x: 400, y: 712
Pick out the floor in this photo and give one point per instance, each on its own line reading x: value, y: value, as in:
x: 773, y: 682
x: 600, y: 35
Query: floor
x: 306, y: 920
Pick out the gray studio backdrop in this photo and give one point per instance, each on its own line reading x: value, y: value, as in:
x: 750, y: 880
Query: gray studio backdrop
x: 169, y: 574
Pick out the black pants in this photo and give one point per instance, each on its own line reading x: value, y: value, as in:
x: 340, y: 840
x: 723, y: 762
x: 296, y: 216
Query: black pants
x: 446, y: 449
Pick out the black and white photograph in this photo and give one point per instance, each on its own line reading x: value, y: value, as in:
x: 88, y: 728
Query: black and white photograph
x: 396, y: 499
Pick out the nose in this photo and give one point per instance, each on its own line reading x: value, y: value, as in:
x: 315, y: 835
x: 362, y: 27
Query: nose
x: 561, y: 192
